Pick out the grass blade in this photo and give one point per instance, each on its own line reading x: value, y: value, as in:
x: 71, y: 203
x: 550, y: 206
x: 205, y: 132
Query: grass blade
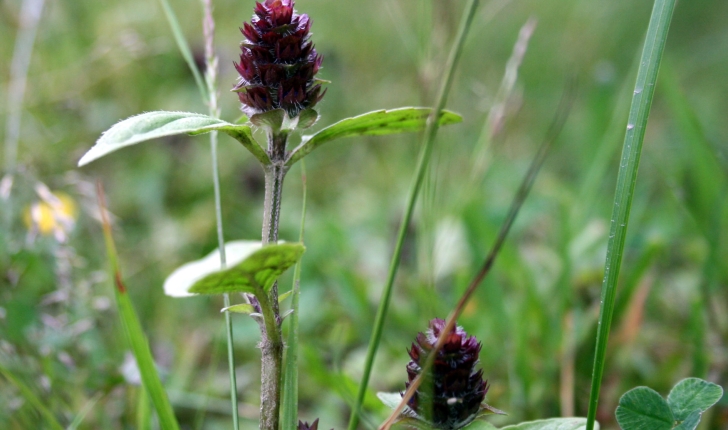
x: 422, y: 163
x: 28, y: 394
x: 133, y: 329
x: 290, y: 371
x: 637, y: 122
x: 184, y: 48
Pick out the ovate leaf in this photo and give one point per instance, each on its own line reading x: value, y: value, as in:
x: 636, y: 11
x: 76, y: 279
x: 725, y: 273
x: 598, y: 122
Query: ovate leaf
x: 690, y: 423
x: 178, y: 284
x: 152, y: 125
x: 373, y: 123
x: 691, y: 395
x: 643, y: 408
x: 257, y: 271
x: 552, y: 424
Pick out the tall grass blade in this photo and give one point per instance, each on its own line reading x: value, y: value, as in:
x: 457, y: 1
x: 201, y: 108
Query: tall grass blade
x: 290, y: 371
x: 28, y: 395
x: 637, y: 123
x: 211, y: 63
x: 133, y: 329
x: 422, y: 163
x: 184, y: 47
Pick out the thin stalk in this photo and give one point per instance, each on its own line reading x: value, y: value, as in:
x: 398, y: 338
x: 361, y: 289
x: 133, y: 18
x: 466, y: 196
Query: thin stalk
x: 637, y: 122
x: 211, y: 63
x: 290, y: 392
x: 422, y: 164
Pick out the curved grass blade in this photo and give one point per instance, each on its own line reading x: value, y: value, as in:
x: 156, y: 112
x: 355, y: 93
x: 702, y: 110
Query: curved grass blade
x: 374, y: 123
x: 153, y: 125
x: 290, y: 371
x: 184, y: 48
x: 133, y: 329
x: 637, y: 122
x: 422, y: 163
x: 28, y: 394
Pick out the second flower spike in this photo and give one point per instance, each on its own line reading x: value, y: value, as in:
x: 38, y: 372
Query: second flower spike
x: 277, y: 61
x: 452, y: 392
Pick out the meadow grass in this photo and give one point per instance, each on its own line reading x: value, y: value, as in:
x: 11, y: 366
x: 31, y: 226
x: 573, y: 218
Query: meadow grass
x: 94, y: 63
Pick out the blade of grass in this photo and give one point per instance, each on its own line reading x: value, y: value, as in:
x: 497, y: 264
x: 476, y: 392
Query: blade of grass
x: 184, y: 47
x: 88, y: 407
x: 627, y: 176
x: 521, y: 194
x: 290, y: 375
x: 422, y: 163
x: 133, y: 329
x: 143, y: 412
x: 211, y: 62
x: 28, y: 394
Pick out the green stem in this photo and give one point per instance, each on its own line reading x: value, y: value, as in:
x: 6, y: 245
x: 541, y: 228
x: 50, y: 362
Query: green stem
x: 271, y: 344
x: 637, y: 122
x: 422, y: 164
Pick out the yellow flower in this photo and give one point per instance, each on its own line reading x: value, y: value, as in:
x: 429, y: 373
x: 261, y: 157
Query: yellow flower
x: 54, y: 214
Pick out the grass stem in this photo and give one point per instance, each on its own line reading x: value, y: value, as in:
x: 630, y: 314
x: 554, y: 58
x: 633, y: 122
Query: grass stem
x: 631, y: 150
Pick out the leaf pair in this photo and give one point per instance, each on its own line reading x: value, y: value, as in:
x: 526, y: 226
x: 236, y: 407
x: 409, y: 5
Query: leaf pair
x: 643, y: 408
x: 152, y: 125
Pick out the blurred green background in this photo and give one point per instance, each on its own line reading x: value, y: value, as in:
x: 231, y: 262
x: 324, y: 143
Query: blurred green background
x: 94, y: 63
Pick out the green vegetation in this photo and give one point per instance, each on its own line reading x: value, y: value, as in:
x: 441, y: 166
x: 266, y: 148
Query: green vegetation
x: 64, y: 354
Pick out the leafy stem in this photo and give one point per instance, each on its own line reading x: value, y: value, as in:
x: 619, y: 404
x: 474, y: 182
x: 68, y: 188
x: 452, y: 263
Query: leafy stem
x: 271, y: 339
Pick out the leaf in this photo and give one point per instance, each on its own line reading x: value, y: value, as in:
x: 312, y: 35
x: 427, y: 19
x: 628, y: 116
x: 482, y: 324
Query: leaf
x: 390, y: 400
x: 479, y: 424
x: 373, y: 123
x: 643, y: 408
x: 242, y: 308
x: 691, y: 395
x: 307, y: 118
x: 152, y: 125
x: 691, y: 422
x: 271, y: 120
x: 257, y: 271
x: 552, y: 424
x: 178, y: 283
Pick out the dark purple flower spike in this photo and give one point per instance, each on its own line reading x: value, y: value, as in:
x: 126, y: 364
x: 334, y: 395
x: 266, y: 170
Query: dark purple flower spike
x: 278, y: 62
x: 452, y: 392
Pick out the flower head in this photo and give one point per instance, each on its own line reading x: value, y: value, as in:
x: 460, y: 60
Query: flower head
x: 305, y: 426
x: 451, y: 393
x: 277, y: 61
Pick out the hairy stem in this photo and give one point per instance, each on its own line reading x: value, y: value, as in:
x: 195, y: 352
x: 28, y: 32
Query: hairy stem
x: 271, y: 344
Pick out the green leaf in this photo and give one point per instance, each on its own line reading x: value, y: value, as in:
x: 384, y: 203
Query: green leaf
x: 257, y: 271
x: 479, y: 424
x: 691, y: 395
x: 242, y: 308
x: 271, y: 120
x: 390, y: 400
x: 178, y: 283
x: 307, y: 118
x: 691, y: 422
x: 643, y: 408
x: 373, y: 123
x: 552, y: 424
x: 152, y: 125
